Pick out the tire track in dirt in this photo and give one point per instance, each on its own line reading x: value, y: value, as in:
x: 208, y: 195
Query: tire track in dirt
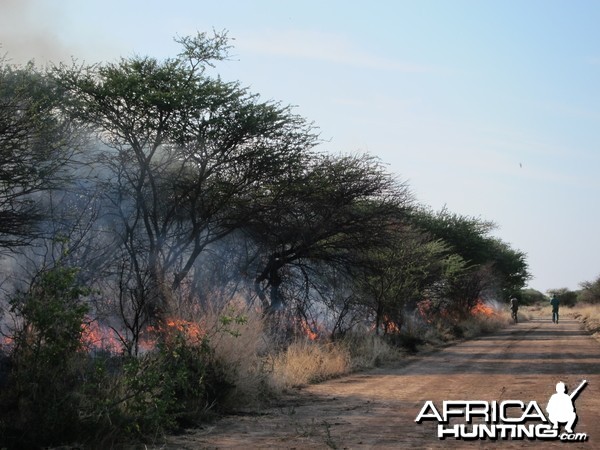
x: 377, y: 409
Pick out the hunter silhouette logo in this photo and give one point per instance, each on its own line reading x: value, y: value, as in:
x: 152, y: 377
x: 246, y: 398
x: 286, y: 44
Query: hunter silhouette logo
x: 560, y: 406
x: 508, y: 419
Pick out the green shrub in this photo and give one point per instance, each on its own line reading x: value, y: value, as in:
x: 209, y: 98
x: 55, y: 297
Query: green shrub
x: 41, y: 401
x: 171, y: 387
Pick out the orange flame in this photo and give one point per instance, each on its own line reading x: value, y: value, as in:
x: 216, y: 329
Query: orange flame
x: 425, y: 308
x: 390, y: 326
x: 306, y: 329
x: 191, y: 330
x: 6, y: 343
x: 95, y: 336
x: 481, y: 308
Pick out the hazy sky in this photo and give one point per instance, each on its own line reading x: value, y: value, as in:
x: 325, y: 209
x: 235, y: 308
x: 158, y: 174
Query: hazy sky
x: 491, y: 108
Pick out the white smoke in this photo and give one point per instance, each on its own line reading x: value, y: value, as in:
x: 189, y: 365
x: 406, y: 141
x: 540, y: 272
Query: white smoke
x: 27, y: 31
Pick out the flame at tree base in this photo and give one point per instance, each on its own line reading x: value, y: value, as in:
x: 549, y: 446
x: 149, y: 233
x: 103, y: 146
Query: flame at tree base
x: 483, y: 309
x: 96, y: 336
x: 428, y: 312
x: 310, y: 332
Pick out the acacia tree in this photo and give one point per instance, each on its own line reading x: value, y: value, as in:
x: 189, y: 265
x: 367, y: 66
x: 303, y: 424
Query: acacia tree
x: 184, y: 150
x: 590, y: 291
x: 400, y: 276
x: 490, y: 266
x: 35, y: 143
x: 511, y: 265
x: 335, y: 210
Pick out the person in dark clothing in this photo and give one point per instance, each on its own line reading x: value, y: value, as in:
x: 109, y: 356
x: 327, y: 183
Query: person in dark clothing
x: 555, y: 304
x: 514, y: 308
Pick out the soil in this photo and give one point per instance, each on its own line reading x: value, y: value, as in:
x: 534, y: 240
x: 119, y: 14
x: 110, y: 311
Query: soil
x: 377, y: 409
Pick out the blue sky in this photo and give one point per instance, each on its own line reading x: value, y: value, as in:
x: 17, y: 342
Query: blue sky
x: 491, y: 108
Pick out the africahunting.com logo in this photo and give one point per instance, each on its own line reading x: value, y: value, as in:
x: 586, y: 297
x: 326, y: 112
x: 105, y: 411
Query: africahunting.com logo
x: 508, y: 419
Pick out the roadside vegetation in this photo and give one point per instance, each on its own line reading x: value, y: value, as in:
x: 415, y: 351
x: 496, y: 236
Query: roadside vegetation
x: 173, y: 247
x: 584, y: 305
x: 589, y: 315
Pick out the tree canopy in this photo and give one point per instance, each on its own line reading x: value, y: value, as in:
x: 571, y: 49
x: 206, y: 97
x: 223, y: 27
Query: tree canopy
x: 36, y: 142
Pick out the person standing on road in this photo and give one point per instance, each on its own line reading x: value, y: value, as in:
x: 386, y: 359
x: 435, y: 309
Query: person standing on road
x: 555, y: 304
x: 514, y: 307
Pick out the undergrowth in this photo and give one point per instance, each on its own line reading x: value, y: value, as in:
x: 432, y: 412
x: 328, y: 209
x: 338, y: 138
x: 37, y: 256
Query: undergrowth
x: 235, y: 363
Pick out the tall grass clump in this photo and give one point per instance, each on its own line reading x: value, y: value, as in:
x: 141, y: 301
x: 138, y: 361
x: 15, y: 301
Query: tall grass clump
x: 305, y: 361
x: 368, y: 350
x: 237, y: 339
x: 589, y: 315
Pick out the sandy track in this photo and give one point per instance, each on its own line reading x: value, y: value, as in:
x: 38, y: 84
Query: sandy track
x: 377, y: 409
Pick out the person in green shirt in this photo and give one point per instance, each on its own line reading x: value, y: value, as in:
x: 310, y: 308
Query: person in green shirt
x: 555, y: 303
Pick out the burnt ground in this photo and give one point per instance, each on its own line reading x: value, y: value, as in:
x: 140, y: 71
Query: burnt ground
x: 377, y: 409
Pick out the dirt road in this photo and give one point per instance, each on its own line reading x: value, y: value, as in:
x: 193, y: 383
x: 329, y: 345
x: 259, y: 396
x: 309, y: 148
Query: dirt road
x: 377, y: 409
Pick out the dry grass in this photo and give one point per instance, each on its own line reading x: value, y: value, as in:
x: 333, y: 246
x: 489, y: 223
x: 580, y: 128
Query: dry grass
x: 475, y: 325
x: 536, y: 310
x: 237, y: 338
x: 480, y: 324
x: 258, y: 369
x: 368, y: 351
x: 306, y: 361
x: 589, y: 315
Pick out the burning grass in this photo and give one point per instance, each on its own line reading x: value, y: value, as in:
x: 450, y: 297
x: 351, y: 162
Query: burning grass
x: 309, y: 360
x: 97, y: 337
x: 483, y: 318
x: 483, y: 309
x: 224, y: 358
